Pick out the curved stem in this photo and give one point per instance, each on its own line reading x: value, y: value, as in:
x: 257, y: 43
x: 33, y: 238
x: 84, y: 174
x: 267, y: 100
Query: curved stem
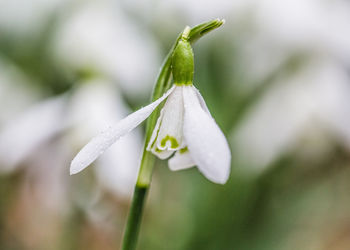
x: 163, y: 83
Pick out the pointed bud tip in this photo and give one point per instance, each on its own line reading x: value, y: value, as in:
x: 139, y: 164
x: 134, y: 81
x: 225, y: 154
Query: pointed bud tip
x: 186, y: 33
x: 220, y: 21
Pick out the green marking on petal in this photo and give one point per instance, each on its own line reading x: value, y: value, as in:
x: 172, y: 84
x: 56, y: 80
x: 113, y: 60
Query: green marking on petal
x: 158, y: 150
x: 173, y: 141
x: 183, y: 150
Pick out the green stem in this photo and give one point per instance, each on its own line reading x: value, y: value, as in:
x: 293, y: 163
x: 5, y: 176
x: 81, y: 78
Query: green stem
x: 134, y: 220
x: 163, y: 83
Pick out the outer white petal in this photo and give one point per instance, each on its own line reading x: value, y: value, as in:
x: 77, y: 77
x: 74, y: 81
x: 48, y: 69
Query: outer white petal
x: 97, y: 101
x: 201, y: 101
x: 99, y: 144
x: 181, y: 160
x: 206, y: 142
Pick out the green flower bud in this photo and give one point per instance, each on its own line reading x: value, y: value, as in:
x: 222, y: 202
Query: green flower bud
x: 182, y: 61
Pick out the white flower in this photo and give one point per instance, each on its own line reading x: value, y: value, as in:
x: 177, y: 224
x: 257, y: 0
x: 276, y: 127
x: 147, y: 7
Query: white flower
x: 184, y: 127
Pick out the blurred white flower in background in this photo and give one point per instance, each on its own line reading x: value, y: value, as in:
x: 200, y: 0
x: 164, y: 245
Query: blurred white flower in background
x: 278, y: 29
x: 318, y: 95
x: 314, y: 25
x: 97, y: 36
x: 93, y: 105
x: 28, y: 130
x: 197, y: 11
x: 41, y: 198
x: 42, y: 139
x: 15, y: 92
x: 39, y: 134
x: 46, y: 177
x: 22, y: 135
x: 24, y: 18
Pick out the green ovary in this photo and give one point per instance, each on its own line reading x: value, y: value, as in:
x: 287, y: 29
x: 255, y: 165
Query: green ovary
x: 183, y: 84
x: 173, y: 141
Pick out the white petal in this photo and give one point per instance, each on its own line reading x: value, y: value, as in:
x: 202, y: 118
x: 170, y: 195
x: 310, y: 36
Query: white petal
x: 201, y: 101
x: 103, y: 141
x: 162, y: 154
x: 98, y: 102
x: 181, y: 160
x: 206, y: 142
x: 155, y: 131
x: 171, y: 125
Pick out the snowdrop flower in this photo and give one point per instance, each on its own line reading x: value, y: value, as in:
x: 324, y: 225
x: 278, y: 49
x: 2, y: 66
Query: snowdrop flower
x: 184, y: 128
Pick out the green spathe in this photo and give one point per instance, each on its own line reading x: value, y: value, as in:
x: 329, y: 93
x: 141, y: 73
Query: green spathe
x: 183, y: 62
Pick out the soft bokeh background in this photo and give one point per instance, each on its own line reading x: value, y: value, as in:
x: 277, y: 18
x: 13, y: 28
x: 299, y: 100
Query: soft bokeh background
x: 276, y: 77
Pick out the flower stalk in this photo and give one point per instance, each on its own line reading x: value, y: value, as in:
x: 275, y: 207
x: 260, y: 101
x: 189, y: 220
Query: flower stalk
x: 163, y: 84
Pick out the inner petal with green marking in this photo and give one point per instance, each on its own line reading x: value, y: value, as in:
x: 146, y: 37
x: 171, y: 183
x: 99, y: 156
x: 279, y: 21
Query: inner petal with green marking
x: 167, y: 136
x: 170, y: 134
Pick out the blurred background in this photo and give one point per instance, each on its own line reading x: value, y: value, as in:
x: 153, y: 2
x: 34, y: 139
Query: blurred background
x: 276, y: 77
